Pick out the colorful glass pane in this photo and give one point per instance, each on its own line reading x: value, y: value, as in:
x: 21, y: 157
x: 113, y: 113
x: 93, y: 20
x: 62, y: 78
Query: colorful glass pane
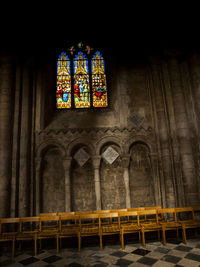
x: 63, y: 93
x: 81, y: 81
x: 99, y: 89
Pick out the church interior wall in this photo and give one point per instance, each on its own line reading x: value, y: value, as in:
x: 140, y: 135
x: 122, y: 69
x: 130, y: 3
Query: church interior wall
x: 151, y: 125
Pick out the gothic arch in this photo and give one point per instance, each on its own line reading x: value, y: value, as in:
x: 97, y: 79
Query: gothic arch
x: 44, y: 146
x: 77, y: 142
x: 105, y: 140
x: 139, y: 139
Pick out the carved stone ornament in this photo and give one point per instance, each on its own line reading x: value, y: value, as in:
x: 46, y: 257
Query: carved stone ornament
x: 81, y: 156
x: 110, y: 155
x: 136, y: 119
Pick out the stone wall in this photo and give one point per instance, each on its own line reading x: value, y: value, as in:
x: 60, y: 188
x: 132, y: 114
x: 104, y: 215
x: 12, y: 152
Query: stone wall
x: 152, y: 124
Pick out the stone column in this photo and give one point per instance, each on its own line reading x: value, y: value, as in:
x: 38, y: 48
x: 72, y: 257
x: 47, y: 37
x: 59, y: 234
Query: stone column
x: 163, y: 135
x: 183, y: 134
x: 153, y: 157
x: 96, y: 165
x: 125, y: 164
x: 25, y: 139
x: 37, y: 185
x: 7, y: 89
x: 67, y: 165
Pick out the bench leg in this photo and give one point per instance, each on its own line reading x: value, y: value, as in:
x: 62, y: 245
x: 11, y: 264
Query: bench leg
x: 57, y: 244
x: 143, y: 238
x: 122, y: 239
x: 101, y: 242
x: 79, y: 242
x: 13, y: 247
x: 164, y: 237
x: 184, y: 235
x: 35, y: 245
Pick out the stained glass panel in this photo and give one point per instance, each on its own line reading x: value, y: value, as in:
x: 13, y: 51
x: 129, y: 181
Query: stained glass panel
x: 63, y: 93
x: 81, y: 81
x: 99, y: 89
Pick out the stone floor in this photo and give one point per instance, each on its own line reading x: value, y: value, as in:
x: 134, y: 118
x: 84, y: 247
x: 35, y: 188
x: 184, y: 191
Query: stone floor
x: 175, y: 253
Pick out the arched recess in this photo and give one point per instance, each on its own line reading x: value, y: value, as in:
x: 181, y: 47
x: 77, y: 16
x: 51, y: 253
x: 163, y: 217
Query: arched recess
x: 141, y: 177
x: 82, y: 177
x: 52, y: 179
x: 113, y: 194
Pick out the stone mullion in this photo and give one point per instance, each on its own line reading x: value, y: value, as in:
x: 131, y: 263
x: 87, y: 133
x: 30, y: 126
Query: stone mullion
x: 183, y: 134
x: 6, y: 117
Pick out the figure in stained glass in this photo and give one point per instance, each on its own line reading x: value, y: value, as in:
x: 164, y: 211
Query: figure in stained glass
x: 99, y: 89
x: 63, y: 82
x: 81, y: 81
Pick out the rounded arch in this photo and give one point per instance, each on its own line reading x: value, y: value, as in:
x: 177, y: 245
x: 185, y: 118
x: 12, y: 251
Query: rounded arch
x: 139, y: 139
x: 106, y: 140
x: 50, y: 143
x: 80, y: 142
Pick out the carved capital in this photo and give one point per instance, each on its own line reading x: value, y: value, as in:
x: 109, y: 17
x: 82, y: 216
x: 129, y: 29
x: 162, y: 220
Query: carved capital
x: 96, y: 160
x: 67, y: 163
x: 126, y: 160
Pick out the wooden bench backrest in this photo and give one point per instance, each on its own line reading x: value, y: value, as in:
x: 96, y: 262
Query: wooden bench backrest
x: 101, y: 211
x: 9, y: 221
x: 48, y: 214
x: 146, y: 213
x: 153, y: 208
x: 183, y: 210
x: 66, y: 213
x: 135, y: 209
x: 68, y: 220
x: 30, y: 220
x: 128, y: 215
x: 166, y: 212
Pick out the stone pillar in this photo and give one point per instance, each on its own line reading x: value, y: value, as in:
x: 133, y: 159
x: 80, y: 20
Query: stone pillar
x: 125, y: 164
x: 96, y: 165
x: 25, y: 140
x: 163, y: 133
x: 37, y: 185
x: 67, y: 165
x: 7, y: 95
x: 156, y: 181
x: 183, y: 134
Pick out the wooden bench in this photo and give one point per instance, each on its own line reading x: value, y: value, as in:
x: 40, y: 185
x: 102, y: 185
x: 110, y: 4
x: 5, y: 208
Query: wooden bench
x: 149, y: 224
x: 129, y: 224
x: 68, y: 226
x: 29, y: 227
x: 9, y: 228
x: 187, y: 219
x: 50, y: 231
x: 168, y: 222
x: 109, y: 225
x: 88, y: 226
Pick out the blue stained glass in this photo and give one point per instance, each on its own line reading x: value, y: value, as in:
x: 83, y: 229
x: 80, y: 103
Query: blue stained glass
x: 65, y: 97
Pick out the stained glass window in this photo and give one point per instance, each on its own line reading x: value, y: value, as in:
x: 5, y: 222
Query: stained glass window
x: 63, y: 93
x: 81, y: 79
x: 99, y: 90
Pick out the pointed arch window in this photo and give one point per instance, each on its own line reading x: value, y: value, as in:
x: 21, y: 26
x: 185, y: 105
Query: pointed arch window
x: 81, y: 80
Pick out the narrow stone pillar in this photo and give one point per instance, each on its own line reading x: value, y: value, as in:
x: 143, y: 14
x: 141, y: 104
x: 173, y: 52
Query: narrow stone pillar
x: 6, y: 118
x: 96, y: 165
x: 67, y: 165
x: 183, y: 134
x: 125, y: 164
x: 25, y: 139
x: 37, y: 185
